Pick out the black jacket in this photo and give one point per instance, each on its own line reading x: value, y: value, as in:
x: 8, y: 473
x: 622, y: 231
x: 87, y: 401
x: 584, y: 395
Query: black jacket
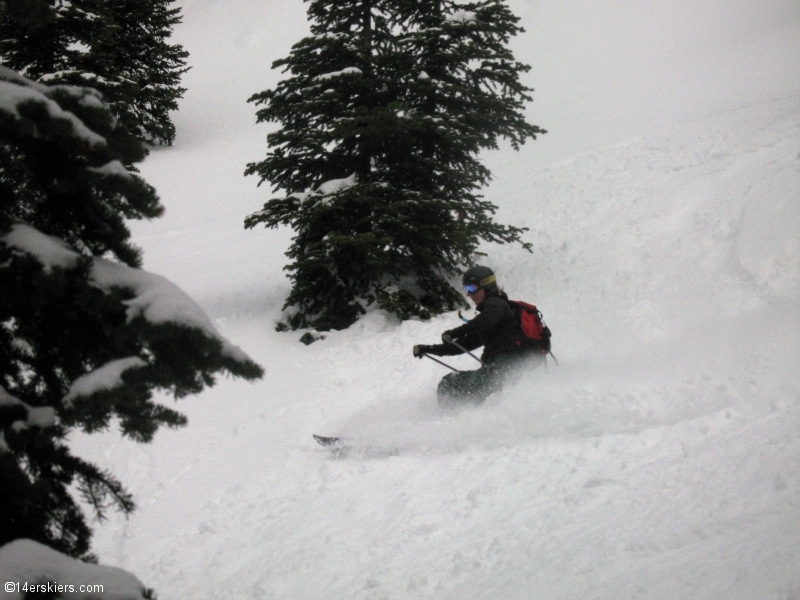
x: 494, y: 328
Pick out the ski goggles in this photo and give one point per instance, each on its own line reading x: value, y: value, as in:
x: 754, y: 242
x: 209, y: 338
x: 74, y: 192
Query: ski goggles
x: 471, y: 288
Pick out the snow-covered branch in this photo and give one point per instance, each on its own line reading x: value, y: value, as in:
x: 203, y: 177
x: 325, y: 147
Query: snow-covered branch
x: 37, y: 416
x: 16, y: 90
x: 156, y: 298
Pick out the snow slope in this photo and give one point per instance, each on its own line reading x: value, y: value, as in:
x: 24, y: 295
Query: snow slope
x: 661, y: 459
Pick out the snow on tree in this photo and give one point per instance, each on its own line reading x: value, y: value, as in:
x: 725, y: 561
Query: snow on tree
x: 119, y: 47
x: 86, y: 336
x: 395, y: 97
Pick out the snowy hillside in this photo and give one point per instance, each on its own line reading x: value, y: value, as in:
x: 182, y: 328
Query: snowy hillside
x: 661, y: 459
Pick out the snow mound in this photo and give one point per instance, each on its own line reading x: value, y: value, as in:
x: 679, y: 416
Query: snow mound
x: 28, y: 566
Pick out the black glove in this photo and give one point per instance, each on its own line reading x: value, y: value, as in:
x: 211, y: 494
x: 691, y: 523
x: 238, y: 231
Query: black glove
x: 447, y: 336
x: 421, y: 350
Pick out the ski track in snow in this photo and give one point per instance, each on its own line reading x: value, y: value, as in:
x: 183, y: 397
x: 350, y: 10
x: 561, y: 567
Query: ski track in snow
x: 659, y: 460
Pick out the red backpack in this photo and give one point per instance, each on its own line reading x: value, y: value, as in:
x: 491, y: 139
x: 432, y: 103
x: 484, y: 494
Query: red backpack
x: 533, y: 333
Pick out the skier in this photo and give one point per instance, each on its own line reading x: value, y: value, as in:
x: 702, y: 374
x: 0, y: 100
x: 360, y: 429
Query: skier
x: 495, y: 328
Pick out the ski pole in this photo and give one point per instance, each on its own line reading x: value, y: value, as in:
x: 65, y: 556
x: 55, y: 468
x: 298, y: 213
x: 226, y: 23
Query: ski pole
x: 460, y: 347
x: 442, y: 363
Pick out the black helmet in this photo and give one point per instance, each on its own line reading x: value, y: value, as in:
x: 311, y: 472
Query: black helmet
x: 479, y: 275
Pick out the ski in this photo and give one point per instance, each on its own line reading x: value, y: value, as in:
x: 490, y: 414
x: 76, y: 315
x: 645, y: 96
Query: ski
x: 342, y: 447
x: 328, y: 441
x: 338, y: 446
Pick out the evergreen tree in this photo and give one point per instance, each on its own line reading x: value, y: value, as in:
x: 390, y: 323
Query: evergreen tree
x: 139, y: 52
x: 119, y: 47
x: 334, y: 111
x: 382, y: 116
x: 86, y: 336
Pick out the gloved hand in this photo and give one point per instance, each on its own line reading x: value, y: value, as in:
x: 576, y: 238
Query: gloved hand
x: 421, y: 350
x: 447, y: 337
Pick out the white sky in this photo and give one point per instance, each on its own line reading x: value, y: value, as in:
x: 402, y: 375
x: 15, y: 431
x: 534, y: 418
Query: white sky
x: 603, y: 70
x: 607, y: 70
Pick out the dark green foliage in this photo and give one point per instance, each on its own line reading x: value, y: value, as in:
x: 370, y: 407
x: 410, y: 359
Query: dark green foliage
x: 118, y: 47
x: 139, y: 53
x: 395, y: 99
x: 61, y: 174
x: 46, y: 177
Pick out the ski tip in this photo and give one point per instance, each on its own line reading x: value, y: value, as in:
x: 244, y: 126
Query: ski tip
x: 327, y: 441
